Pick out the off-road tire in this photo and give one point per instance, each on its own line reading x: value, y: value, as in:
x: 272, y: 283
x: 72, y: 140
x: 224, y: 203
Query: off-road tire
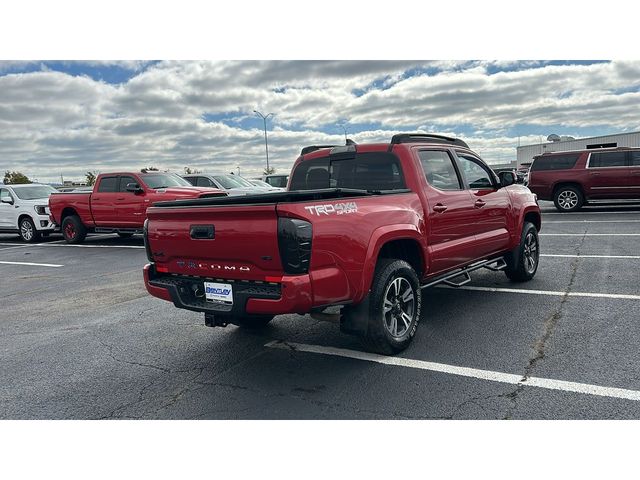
x: 73, y: 230
x: 379, y: 338
x: 519, y: 261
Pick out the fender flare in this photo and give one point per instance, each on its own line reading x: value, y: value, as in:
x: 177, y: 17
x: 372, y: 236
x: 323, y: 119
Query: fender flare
x: 379, y: 237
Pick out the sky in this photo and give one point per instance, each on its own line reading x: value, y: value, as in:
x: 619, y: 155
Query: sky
x: 69, y: 117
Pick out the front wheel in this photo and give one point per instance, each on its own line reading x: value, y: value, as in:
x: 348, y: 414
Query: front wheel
x: 522, y: 261
x: 394, y: 307
x: 28, y: 232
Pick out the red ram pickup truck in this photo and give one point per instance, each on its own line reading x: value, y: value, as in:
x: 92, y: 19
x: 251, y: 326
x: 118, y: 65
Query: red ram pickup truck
x: 362, y: 227
x: 118, y: 203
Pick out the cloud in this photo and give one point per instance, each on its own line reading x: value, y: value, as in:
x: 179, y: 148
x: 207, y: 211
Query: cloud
x: 177, y: 113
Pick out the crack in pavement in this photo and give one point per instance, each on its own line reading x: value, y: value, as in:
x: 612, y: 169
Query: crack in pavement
x: 549, y: 327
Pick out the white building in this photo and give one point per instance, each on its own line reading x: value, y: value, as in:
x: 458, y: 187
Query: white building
x: 526, y: 153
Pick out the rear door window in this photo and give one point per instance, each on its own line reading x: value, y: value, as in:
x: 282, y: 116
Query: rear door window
x: 608, y: 159
x: 108, y: 185
x: 192, y: 180
x: 367, y: 171
x: 555, y: 162
x: 635, y: 158
x: 439, y: 170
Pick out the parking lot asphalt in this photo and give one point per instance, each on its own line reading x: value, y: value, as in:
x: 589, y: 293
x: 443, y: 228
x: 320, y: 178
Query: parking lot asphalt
x: 80, y: 338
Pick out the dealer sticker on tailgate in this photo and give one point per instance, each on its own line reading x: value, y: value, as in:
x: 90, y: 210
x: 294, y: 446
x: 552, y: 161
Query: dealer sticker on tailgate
x: 218, y: 292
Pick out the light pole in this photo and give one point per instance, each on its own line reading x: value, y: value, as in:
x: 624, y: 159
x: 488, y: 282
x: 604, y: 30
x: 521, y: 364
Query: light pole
x: 266, y: 144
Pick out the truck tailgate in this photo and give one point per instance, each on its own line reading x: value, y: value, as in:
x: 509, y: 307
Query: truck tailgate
x: 236, y: 242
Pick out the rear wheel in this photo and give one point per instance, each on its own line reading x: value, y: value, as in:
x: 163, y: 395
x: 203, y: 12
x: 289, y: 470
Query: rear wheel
x: 568, y: 199
x: 522, y: 261
x: 28, y: 232
x: 73, y: 229
x: 395, y: 302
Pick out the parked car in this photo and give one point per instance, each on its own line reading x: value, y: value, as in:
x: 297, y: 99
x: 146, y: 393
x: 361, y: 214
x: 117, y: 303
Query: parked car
x: 231, y: 184
x: 362, y: 227
x: 24, y: 210
x: 572, y: 179
x: 265, y: 185
x: 118, y: 203
x: 275, y: 180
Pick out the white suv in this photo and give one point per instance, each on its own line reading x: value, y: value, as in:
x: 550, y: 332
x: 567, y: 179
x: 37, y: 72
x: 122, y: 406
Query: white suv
x: 24, y: 209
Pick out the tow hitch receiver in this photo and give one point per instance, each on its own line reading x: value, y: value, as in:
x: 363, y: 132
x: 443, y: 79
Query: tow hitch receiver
x: 210, y: 320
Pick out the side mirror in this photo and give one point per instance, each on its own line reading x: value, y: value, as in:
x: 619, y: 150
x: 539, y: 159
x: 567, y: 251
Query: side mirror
x: 506, y: 178
x: 134, y: 188
x: 8, y: 200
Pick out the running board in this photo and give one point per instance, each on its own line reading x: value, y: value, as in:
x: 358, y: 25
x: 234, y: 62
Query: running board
x: 495, y: 265
x: 117, y: 230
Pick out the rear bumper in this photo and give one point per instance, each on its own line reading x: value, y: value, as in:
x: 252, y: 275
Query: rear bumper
x: 544, y: 192
x: 291, y: 295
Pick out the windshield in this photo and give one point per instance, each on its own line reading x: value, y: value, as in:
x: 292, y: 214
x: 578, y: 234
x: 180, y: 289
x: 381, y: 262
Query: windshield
x: 243, y: 181
x: 260, y: 183
x: 33, y: 192
x: 228, y: 182
x: 164, y: 180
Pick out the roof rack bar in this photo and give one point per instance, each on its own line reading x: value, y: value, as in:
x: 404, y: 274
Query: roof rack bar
x: 429, y: 137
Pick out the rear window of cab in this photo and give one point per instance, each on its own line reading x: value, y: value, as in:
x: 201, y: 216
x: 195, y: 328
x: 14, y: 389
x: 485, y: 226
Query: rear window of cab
x: 367, y: 171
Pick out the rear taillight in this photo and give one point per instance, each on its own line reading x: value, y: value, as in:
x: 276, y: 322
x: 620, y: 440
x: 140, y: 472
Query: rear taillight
x: 145, y: 236
x: 294, y: 242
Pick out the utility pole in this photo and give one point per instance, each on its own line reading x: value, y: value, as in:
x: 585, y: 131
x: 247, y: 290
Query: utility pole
x: 266, y: 143
x: 345, y: 133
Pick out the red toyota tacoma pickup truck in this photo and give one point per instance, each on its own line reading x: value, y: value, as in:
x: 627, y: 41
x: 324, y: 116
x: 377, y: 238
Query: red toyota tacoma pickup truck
x: 118, y: 203
x: 363, y: 227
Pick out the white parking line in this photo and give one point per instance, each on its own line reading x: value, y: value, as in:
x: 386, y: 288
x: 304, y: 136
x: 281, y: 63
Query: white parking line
x: 591, y: 221
x: 492, y: 376
x: 33, y: 264
x: 636, y: 212
x: 589, y: 234
x: 626, y: 257
x: 551, y: 293
x: 53, y: 244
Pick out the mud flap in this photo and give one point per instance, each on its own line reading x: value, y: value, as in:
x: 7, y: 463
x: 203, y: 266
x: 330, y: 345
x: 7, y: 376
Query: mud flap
x: 354, y: 319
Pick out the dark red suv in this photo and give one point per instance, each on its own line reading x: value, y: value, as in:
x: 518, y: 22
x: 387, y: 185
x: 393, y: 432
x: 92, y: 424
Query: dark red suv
x: 571, y: 179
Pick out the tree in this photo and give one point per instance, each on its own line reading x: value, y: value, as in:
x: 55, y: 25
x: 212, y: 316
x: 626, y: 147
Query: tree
x: 149, y: 169
x: 189, y: 171
x: 91, y: 178
x: 269, y: 171
x: 15, y: 178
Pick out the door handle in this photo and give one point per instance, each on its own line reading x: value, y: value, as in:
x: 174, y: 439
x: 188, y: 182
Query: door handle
x: 120, y: 198
x: 480, y: 203
x: 594, y: 173
x: 439, y: 208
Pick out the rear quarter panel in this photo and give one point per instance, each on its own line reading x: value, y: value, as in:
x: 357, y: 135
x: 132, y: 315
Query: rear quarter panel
x: 347, y: 236
x: 80, y: 203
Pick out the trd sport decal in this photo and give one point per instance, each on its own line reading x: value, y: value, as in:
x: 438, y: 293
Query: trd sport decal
x: 335, y: 208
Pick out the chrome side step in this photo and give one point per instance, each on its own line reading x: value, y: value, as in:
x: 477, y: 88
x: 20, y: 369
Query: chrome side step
x: 495, y: 264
